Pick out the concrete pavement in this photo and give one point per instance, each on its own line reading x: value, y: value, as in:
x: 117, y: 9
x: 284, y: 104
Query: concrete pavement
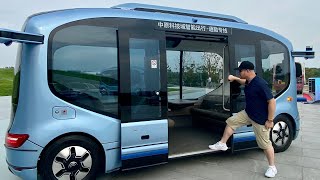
x: 300, y: 162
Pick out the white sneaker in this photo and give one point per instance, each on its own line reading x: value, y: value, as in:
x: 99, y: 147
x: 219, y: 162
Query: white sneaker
x: 271, y: 172
x: 219, y: 146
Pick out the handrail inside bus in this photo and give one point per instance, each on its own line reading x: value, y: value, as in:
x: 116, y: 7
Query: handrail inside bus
x: 224, y: 48
x: 177, y: 11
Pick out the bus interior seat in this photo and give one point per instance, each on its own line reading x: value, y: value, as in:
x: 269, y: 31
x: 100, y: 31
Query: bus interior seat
x: 211, y: 111
x: 179, y: 117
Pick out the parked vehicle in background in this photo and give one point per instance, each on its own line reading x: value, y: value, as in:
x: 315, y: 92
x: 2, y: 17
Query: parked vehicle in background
x: 108, y: 82
x: 301, y: 76
x: 279, y: 81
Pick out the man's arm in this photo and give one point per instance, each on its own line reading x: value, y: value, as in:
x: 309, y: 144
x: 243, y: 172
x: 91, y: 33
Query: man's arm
x: 235, y: 78
x: 271, y: 109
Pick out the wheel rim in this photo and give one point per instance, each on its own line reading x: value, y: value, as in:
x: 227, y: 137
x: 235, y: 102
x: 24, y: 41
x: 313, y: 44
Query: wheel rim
x: 72, y: 163
x: 280, y: 133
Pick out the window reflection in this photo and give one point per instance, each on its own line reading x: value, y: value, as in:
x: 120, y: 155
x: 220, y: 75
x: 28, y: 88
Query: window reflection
x: 245, y: 52
x: 83, y: 67
x: 173, y: 74
x: 275, y: 65
x: 145, y: 78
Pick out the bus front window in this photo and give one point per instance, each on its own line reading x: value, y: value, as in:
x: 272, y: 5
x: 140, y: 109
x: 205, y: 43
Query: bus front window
x: 275, y: 65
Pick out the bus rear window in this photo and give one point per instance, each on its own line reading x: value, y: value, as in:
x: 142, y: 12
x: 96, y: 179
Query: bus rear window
x: 83, y: 67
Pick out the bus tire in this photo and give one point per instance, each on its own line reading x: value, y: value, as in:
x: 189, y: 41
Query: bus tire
x: 75, y: 155
x: 281, y: 134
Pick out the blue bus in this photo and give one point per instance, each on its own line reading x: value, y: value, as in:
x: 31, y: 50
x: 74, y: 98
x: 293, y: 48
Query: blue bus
x: 100, y: 90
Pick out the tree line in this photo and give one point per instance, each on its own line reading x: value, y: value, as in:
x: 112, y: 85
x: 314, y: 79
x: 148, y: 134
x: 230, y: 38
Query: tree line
x: 312, y: 72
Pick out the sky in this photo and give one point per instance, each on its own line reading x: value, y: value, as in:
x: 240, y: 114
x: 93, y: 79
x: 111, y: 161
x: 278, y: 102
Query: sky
x: 294, y: 19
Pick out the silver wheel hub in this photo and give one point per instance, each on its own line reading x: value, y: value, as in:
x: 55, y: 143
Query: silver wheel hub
x: 280, y: 133
x: 72, y: 163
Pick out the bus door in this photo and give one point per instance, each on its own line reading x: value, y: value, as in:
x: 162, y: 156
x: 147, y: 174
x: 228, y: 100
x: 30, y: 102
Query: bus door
x: 143, y: 98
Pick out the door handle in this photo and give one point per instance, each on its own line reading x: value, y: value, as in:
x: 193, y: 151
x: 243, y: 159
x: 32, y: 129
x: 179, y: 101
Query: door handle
x: 144, y: 137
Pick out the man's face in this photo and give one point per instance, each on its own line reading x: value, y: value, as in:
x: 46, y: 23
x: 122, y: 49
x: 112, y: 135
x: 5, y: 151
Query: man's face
x: 243, y: 73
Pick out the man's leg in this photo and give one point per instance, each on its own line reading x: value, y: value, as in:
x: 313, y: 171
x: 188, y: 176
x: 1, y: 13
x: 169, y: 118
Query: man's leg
x: 228, y: 131
x: 263, y: 140
x: 221, y: 145
x: 272, y: 170
x: 238, y: 120
x: 270, y: 155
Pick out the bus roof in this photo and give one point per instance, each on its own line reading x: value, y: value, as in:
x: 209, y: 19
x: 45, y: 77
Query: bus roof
x: 37, y: 23
x: 178, y: 11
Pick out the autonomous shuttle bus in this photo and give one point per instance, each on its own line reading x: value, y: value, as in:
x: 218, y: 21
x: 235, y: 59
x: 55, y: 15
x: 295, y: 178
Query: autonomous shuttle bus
x: 99, y: 90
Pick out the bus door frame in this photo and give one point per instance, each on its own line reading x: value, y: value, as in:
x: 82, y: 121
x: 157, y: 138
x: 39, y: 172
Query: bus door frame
x: 144, y: 142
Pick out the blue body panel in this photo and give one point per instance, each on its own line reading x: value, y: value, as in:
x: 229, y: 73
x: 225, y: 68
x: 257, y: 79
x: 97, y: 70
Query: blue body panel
x: 25, y: 157
x: 133, y: 146
x: 244, y: 137
x: 23, y: 162
x: 144, y: 153
x: 27, y: 174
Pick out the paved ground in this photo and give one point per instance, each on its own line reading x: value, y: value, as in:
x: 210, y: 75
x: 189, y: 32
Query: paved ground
x: 300, y: 162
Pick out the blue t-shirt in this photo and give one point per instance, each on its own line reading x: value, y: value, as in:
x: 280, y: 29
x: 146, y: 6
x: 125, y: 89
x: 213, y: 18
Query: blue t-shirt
x: 257, y: 94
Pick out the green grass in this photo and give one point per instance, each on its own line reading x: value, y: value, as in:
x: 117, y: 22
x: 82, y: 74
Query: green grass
x: 6, y: 79
x: 172, y: 89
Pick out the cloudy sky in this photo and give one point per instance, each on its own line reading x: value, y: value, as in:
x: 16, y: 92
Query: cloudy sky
x: 296, y: 20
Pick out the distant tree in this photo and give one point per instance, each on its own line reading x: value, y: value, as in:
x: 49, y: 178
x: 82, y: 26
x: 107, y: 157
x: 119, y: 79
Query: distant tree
x: 312, y: 72
x: 213, y: 64
x: 173, y: 73
x: 196, y: 72
x: 189, y: 77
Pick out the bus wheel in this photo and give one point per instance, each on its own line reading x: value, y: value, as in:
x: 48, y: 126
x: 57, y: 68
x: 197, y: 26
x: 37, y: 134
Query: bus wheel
x: 72, y: 157
x: 281, y: 134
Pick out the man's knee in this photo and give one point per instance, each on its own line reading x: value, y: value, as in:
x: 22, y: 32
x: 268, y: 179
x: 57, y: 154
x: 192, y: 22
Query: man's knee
x: 263, y: 144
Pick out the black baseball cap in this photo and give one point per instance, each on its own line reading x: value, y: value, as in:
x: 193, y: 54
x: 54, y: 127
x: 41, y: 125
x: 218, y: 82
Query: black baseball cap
x: 245, y: 65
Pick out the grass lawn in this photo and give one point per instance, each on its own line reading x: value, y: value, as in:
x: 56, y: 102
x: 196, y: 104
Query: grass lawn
x: 6, y: 80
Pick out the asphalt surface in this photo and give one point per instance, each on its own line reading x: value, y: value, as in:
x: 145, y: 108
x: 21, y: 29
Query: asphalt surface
x: 300, y: 162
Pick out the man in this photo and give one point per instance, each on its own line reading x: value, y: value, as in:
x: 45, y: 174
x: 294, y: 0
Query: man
x: 259, y: 111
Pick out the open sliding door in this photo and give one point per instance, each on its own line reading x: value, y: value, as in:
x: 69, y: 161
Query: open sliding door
x: 244, y: 137
x: 143, y: 98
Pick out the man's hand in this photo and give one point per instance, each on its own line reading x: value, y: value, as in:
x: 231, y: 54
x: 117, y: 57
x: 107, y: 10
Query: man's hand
x: 232, y: 78
x: 268, y: 124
